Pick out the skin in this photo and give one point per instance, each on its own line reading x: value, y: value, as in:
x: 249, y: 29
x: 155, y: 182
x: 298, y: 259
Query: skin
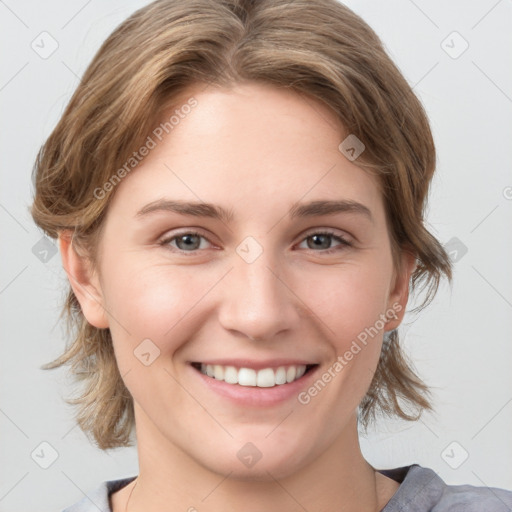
x: 255, y: 150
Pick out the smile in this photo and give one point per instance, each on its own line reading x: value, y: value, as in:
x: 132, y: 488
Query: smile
x: 262, y: 378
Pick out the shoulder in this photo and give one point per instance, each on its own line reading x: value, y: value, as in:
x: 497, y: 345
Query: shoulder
x: 99, y: 497
x: 422, y: 490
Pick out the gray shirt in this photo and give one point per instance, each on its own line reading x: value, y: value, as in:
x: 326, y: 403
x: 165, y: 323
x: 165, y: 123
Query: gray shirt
x: 421, y: 490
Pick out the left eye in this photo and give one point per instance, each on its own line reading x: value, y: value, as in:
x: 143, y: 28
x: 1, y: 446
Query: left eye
x: 321, y: 240
x: 191, y: 241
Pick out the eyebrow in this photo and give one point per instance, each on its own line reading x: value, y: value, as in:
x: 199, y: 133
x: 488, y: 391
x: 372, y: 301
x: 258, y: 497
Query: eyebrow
x: 297, y: 210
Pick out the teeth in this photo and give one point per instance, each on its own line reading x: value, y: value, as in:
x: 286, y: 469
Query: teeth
x: 281, y: 375
x: 265, y: 378
x: 247, y: 377
x: 230, y: 374
x: 218, y: 372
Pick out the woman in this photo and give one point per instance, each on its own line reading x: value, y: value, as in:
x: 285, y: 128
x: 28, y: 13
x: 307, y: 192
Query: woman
x: 238, y: 190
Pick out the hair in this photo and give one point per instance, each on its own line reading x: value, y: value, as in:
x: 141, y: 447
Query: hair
x: 318, y: 48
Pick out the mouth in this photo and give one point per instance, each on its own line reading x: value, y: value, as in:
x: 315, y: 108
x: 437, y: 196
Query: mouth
x: 265, y: 377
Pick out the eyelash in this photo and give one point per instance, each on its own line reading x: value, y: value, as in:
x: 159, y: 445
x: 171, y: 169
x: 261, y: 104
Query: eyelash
x: 345, y: 243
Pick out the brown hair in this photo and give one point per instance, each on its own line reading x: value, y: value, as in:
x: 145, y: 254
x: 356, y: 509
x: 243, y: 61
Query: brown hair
x: 319, y: 48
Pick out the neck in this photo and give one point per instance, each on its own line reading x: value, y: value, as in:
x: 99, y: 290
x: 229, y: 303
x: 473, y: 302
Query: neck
x: 339, y: 479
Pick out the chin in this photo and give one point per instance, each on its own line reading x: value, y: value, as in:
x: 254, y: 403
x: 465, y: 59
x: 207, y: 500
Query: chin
x: 247, y: 462
x: 262, y: 471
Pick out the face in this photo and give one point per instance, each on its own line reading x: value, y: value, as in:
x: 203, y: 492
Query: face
x: 287, y: 270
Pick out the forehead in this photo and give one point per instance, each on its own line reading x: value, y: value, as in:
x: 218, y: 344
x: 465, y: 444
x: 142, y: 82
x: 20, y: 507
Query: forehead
x: 253, y: 147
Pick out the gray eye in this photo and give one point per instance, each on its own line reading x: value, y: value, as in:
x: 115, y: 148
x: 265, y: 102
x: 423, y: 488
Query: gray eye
x: 320, y: 241
x: 190, y: 242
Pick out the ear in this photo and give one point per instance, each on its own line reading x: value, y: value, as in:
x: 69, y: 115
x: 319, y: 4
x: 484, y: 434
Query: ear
x: 397, y: 301
x: 84, y: 281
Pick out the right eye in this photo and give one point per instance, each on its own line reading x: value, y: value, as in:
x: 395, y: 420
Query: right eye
x: 186, y: 242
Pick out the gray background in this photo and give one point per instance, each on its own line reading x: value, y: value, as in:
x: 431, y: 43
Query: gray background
x: 461, y: 345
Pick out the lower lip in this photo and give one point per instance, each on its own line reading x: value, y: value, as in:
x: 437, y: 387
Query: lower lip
x: 253, y: 395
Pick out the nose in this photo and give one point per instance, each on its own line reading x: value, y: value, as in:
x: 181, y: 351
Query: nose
x: 257, y: 302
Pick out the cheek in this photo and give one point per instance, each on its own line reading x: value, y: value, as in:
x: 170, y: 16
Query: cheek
x: 154, y: 302
x: 349, y: 304
x: 348, y: 299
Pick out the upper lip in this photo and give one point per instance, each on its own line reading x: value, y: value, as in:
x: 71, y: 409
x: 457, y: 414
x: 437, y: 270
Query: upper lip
x: 256, y: 365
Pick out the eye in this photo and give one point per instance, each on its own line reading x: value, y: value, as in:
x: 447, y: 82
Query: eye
x: 185, y: 242
x: 322, y: 240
